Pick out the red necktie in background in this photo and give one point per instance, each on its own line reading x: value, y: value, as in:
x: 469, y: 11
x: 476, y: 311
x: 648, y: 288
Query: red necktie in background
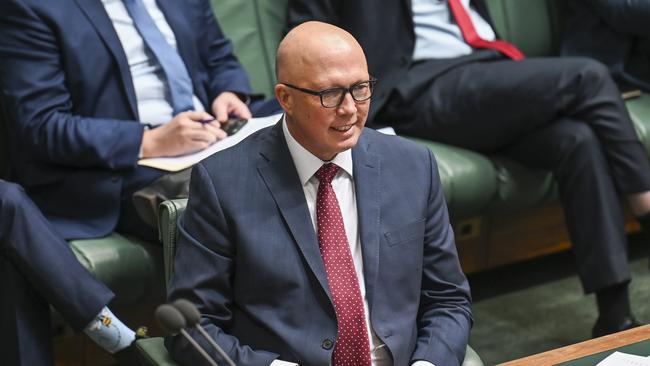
x: 352, y: 346
x: 473, y: 39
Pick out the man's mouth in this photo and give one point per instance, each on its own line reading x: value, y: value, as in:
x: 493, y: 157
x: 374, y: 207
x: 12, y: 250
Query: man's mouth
x: 343, y: 128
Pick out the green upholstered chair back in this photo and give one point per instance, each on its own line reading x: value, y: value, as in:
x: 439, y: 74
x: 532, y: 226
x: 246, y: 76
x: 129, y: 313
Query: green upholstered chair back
x: 533, y: 25
x: 256, y: 28
x: 168, y: 215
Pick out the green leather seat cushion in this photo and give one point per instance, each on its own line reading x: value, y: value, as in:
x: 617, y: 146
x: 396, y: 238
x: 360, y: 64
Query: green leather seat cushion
x: 639, y: 109
x: 130, y: 267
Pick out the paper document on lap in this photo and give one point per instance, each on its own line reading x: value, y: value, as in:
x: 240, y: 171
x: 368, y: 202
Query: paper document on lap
x: 178, y: 163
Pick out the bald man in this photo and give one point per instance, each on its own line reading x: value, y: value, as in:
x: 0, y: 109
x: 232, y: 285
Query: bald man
x: 316, y: 250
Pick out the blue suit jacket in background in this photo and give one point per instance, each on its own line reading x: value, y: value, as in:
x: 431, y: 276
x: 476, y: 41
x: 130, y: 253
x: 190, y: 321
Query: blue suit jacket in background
x: 613, y: 32
x: 248, y: 256
x: 72, y: 111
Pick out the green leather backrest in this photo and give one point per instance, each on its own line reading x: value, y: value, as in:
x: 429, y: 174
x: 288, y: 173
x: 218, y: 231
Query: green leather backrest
x: 533, y: 25
x: 168, y: 214
x: 256, y: 28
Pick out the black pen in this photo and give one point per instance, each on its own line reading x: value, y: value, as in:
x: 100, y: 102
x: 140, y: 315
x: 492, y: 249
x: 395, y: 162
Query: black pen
x: 204, y: 121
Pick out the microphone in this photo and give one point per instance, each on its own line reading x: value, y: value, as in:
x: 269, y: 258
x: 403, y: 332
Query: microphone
x: 192, y: 319
x: 173, y: 322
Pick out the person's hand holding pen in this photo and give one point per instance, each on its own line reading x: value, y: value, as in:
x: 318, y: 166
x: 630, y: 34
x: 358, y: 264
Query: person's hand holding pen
x: 187, y: 132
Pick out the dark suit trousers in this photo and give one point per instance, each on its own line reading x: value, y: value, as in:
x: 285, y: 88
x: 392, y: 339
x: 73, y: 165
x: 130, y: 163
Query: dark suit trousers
x: 560, y: 114
x: 38, y: 268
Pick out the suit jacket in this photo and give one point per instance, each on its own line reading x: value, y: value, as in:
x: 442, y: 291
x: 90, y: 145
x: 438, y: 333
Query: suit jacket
x: 385, y: 30
x: 248, y: 256
x: 74, y: 135
x: 614, y: 33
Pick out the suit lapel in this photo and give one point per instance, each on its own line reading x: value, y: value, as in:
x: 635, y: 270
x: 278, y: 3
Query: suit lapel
x: 279, y: 173
x: 367, y: 188
x: 96, y: 14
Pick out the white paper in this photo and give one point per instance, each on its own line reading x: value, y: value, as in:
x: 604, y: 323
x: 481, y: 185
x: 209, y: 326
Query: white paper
x: 177, y: 163
x: 624, y: 359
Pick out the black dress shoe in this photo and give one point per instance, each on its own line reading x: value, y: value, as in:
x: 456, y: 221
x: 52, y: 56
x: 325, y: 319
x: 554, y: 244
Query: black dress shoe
x: 130, y: 356
x: 644, y: 222
x: 601, y: 329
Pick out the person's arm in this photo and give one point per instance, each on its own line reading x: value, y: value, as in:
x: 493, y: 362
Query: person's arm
x: 203, y: 274
x: 39, y: 105
x: 444, y: 316
x: 229, y: 85
x: 627, y: 17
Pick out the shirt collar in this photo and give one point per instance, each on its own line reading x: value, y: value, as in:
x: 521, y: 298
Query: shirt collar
x: 307, y: 164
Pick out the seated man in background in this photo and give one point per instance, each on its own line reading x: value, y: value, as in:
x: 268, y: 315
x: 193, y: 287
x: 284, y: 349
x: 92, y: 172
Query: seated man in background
x: 90, y: 87
x: 444, y: 76
x: 37, y: 269
x: 613, y: 32
x: 317, y: 251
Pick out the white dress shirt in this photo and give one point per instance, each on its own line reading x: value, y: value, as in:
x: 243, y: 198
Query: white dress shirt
x: 149, y: 82
x: 436, y: 33
x: 343, y: 184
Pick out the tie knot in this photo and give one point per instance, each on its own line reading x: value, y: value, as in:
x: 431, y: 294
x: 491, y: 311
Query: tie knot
x: 327, y: 172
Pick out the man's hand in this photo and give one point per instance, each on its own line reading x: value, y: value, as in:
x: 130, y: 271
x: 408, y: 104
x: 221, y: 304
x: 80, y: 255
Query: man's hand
x: 228, y: 103
x: 182, y: 135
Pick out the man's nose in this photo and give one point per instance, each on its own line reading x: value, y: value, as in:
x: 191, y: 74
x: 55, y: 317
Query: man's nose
x: 348, y: 105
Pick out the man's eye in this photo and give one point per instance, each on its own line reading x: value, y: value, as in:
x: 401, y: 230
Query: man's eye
x: 332, y: 93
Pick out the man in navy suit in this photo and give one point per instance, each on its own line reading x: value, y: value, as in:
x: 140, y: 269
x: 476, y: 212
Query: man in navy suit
x: 329, y: 243
x: 447, y: 77
x: 86, y: 97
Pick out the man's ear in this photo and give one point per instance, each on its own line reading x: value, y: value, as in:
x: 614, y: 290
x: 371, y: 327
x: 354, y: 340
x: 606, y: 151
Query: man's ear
x: 284, y: 97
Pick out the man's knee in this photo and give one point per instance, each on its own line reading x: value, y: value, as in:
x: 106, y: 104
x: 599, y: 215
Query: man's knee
x: 11, y: 196
x: 589, y: 71
x: 579, y: 140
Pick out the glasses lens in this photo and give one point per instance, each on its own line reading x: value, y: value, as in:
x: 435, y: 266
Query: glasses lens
x: 361, y: 91
x: 332, y: 98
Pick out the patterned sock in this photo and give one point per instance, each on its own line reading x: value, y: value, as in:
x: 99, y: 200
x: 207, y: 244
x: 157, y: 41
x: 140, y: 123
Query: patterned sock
x: 109, y: 332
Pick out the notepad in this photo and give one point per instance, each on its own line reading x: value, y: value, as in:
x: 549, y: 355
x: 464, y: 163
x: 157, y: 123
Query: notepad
x: 178, y: 163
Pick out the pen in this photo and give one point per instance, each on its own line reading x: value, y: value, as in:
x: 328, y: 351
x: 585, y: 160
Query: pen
x: 204, y: 121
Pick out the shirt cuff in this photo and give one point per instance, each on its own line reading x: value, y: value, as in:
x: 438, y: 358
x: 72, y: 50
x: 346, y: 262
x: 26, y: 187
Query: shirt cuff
x: 283, y: 363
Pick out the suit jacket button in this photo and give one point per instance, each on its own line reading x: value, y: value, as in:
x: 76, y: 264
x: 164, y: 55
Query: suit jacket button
x: 327, y: 344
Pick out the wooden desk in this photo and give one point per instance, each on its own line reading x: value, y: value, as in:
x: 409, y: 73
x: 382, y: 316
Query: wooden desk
x: 586, y: 348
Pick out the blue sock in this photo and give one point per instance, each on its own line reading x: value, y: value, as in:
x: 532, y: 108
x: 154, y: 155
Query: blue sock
x: 109, y: 332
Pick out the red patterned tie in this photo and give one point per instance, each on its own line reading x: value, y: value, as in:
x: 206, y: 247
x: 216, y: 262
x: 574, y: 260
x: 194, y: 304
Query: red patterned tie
x: 352, y: 347
x: 473, y: 39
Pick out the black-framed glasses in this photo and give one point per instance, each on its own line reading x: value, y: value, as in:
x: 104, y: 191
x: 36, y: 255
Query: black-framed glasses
x: 333, y: 97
